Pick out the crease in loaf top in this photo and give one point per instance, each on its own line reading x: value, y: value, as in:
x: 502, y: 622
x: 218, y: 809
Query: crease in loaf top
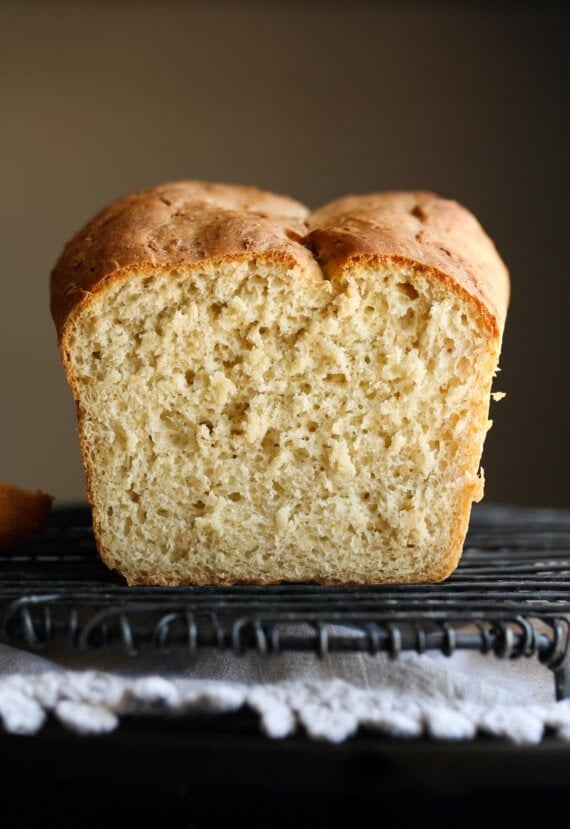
x: 189, y: 222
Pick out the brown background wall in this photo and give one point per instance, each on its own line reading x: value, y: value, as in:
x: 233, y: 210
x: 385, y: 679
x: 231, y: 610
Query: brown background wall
x: 315, y: 100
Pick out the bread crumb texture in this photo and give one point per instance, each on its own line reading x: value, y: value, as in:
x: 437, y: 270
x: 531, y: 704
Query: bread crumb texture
x: 271, y: 419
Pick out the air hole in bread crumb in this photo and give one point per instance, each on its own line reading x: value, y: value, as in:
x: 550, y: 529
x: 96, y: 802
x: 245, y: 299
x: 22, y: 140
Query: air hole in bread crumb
x: 270, y: 440
x: 216, y: 308
x: 190, y: 376
x: 306, y: 387
x: 208, y: 424
x: 134, y: 496
x: 366, y: 496
x: 110, y: 511
x: 369, y: 309
x: 408, y: 290
x: 312, y: 427
x: 336, y: 379
x: 96, y: 355
x: 235, y: 496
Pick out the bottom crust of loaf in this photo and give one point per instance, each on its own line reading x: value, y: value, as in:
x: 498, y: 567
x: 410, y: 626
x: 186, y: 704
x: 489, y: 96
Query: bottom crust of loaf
x: 441, y: 564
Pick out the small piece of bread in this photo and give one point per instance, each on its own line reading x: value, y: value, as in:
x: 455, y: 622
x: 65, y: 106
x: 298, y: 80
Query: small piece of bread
x: 266, y: 394
x: 22, y: 513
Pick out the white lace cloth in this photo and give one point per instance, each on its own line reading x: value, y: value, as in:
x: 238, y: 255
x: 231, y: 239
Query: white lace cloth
x: 448, y: 698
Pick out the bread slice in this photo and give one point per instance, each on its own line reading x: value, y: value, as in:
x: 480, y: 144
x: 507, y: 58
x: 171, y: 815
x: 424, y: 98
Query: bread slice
x: 270, y: 395
x: 22, y: 513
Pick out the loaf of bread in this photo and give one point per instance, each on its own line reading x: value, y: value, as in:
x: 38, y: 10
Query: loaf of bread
x: 23, y: 513
x: 266, y: 394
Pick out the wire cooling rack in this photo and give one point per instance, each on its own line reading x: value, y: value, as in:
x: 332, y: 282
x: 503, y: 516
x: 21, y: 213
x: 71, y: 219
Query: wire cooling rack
x: 509, y: 597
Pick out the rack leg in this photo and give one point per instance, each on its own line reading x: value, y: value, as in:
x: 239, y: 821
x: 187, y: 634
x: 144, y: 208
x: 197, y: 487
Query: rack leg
x: 562, y: 682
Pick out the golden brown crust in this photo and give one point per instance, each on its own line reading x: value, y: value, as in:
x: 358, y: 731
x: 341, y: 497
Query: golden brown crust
x: 435, y: 235
x: 22, y: 513
x: 187, y: 222
x: 171, y: 226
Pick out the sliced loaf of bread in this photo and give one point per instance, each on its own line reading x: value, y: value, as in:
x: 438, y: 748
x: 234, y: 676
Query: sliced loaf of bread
x: 266, y: 394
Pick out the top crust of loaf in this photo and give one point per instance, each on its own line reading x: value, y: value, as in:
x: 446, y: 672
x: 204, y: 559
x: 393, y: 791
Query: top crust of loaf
x: 190, y: 222
x: 171, y: 226
x: 437, y: 235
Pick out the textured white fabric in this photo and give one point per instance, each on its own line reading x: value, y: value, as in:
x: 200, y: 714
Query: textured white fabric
x: 447, y: 698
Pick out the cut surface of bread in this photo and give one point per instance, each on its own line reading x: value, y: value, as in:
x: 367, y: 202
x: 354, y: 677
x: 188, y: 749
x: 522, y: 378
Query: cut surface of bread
x: 268, y: 395
x: 22, y: 513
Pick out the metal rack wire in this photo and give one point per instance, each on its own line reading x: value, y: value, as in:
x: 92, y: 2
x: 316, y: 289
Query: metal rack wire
x: 509, y: 597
